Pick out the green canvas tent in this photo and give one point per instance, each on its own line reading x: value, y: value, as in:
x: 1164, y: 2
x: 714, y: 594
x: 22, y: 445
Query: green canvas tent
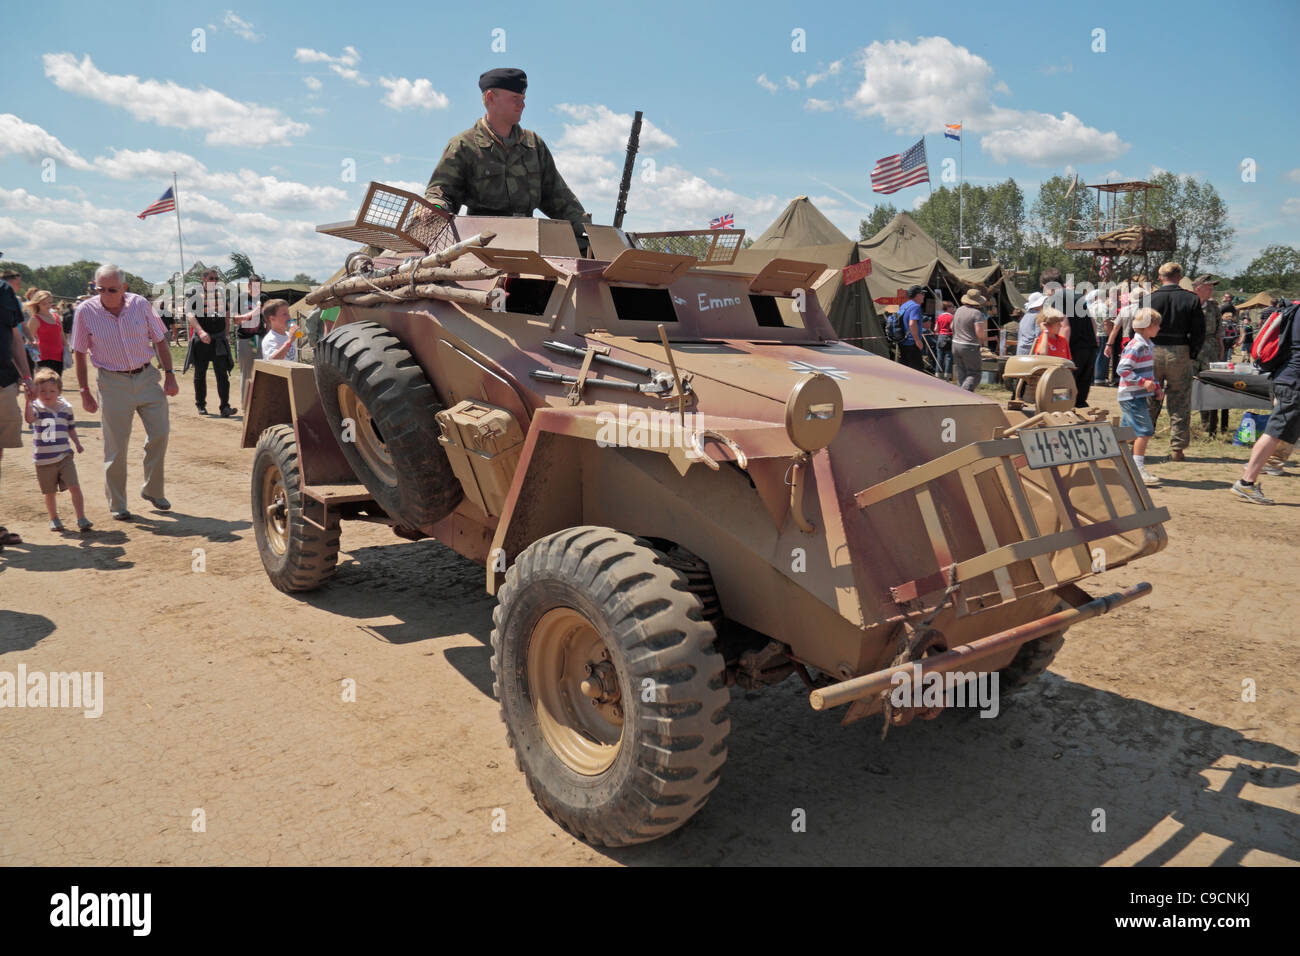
x: 801, y: 232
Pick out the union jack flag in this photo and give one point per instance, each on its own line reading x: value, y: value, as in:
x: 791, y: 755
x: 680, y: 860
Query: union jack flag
x: 723, y: 222
x: 894, y: 172
x: 166, y: 203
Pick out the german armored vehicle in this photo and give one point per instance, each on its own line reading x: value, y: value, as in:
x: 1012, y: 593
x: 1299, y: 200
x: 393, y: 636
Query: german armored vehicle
x: 676, y: 479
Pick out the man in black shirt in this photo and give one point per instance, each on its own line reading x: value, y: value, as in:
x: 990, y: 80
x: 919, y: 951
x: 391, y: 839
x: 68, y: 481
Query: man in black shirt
x: 1081, y: 332
x: 14, y: 374
x: 210, y: 346
x: 1182, y: 332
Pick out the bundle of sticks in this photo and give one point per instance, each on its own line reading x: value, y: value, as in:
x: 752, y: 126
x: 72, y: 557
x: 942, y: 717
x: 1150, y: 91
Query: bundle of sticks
x: 413, y: 279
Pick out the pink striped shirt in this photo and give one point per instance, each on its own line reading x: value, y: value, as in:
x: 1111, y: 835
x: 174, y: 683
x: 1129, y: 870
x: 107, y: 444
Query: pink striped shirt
x: 117, y: 343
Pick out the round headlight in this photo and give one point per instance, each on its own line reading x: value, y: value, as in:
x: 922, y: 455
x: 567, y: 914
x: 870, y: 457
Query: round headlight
x: 814, y: 411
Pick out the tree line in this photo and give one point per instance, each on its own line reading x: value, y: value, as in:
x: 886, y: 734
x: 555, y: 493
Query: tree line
x: 1033, y: 237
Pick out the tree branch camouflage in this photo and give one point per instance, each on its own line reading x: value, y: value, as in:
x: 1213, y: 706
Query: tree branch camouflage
x: 494, y: 178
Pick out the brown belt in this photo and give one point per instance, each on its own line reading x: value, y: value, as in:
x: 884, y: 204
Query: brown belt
x: 130, y: 371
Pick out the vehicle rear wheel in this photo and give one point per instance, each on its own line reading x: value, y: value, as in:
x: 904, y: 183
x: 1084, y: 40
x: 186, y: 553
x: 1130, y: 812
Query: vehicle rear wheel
x: 612, y: 692
x: 370, y: 383
x: 1031, y: 660
x: 297, y: 555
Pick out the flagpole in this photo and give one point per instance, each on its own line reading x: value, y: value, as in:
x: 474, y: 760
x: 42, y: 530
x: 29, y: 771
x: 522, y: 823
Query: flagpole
x: 176, y: 202
x: 961, y: 189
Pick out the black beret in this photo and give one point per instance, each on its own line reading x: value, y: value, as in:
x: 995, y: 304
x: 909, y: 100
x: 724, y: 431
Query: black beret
x: 504, y: 78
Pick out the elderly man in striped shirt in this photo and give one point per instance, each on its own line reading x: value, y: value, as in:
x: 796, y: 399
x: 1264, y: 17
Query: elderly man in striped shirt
x: 121, y: 333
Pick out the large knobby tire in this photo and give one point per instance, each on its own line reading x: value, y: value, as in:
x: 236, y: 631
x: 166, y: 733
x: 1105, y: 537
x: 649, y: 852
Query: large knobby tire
x: 636, y: 753
x: 1031, y: 660
x: 297, y: 555
x: 366, y: 376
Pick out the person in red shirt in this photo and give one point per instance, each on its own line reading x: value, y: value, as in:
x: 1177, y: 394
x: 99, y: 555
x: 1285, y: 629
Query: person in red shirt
x: 1050, y: 340
x: 943, y: 341
x: 46, y: 329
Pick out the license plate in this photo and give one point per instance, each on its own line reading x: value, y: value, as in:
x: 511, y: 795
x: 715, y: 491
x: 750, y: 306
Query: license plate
x: 1048, y: 447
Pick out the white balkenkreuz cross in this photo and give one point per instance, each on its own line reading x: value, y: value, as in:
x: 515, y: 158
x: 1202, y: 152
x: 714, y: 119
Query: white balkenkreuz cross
x: 828, y: 370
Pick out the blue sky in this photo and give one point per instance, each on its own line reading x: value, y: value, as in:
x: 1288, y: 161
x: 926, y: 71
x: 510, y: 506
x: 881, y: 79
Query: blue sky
x: 261, y: 125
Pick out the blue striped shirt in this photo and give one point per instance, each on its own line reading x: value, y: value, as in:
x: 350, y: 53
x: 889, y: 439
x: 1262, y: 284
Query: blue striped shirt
x: 51, y: 441
x: 1136, y: 365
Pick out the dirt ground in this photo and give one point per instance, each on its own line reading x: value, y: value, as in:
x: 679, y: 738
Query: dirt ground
x: 223, y: 695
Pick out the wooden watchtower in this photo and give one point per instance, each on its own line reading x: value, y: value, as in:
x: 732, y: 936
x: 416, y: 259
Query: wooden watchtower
x: 1121, y: 229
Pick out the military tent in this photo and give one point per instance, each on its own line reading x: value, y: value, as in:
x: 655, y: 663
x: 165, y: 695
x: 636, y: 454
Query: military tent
x: 903, y: 254
x: 801, y: 232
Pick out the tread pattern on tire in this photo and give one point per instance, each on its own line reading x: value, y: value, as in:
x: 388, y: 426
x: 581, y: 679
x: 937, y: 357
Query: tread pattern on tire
x: 1031, y: 660
x: 659, y: 621
x: 400, y: 399
x: 311, y: 555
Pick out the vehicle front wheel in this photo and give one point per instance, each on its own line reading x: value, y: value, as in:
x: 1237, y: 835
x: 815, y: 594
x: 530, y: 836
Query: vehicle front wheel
x: 611, y: 689
x: 297, y: 555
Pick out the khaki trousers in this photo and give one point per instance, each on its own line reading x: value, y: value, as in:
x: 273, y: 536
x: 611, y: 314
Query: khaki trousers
x: 121, y: 398
x: 1173, y: 370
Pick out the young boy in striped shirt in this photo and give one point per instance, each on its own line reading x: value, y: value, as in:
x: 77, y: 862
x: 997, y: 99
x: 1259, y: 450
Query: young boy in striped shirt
x: 54, y: 432
x: 1137, y: 381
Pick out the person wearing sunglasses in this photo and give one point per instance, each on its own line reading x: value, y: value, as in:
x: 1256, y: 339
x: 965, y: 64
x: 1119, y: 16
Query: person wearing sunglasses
x: 121, y: 334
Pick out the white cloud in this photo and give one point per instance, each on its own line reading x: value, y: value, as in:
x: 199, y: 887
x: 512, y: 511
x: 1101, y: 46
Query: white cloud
x: 814, y: 105
x: 226, y: 121
x: 390, y: 160
x: 601, y: 130
x: 1041, y: 139
x: 918, y: 87
x: 243, y: 186
x: 812, y: 79
x: 791, y: 83
x: 343, y: 64
x: 1054, y: 68
x: 32, y: 143
x: 1291, y: 207
x: 58, y: 230
x: 408, y: 185
x: 240, y: 27
x: 1293, y: 176
x: 404, y: 94
x: 767, y: 84
x: 312, y: 82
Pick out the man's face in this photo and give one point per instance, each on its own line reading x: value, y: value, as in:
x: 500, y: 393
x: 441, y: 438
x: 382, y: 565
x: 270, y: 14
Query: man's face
x: 112, y: 291
x: 16, y: 283
x: 504, y: 106
x: 1205, y: 291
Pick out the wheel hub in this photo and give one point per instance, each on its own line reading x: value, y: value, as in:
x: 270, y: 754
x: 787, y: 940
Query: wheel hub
x: 366, y: 436
x: 575, y: 691
x: 275, y: 504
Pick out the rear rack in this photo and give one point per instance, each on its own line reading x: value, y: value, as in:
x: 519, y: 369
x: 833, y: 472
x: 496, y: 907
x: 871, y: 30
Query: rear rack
x: 1006, y: 459
x: 714, y: 247
x: 395, y: 219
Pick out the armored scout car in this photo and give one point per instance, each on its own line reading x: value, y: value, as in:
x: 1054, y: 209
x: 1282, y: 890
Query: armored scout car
x: 676, y: 479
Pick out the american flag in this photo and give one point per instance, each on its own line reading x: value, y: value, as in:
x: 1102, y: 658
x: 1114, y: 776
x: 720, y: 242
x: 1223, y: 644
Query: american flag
x: 952, y: 131
x: 166, y: 203
x: 723, y: 222
x: 1103, y: 268
x: 894, y: 172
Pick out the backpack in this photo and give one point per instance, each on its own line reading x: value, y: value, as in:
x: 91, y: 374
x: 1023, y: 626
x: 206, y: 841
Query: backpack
x: 894, y: 330
x: 1273, y: 342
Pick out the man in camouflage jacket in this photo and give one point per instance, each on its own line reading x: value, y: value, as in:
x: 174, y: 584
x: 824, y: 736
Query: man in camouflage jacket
x: 497, y: 168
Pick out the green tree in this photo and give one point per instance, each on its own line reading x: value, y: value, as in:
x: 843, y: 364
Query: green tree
x: 1200, y: 218
x: 242, y: 266
x: 1055, y: 209
x: 881, y: 215
x: 993, y: 218
x: 69, y: 281
x: 304, y: 278
x: 1276, y: 268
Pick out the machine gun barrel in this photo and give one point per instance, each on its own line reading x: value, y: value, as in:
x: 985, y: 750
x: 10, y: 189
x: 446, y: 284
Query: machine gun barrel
x: 633, y: 142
